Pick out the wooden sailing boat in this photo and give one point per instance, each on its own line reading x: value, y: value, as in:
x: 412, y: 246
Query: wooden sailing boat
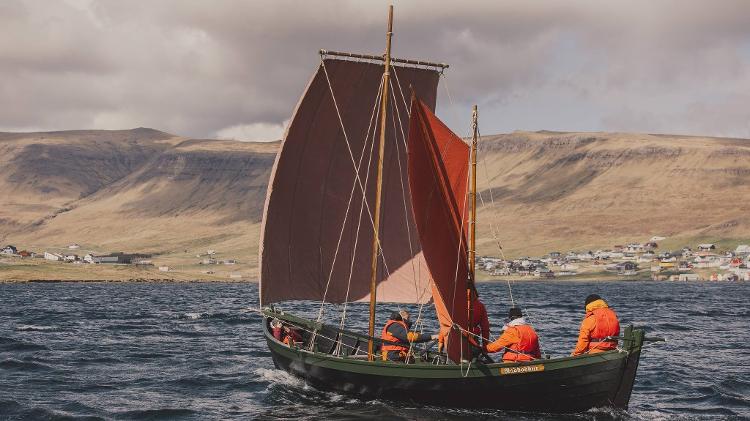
x: 322, y: 240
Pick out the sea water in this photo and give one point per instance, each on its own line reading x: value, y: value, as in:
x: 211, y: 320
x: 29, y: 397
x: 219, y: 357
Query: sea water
x: 150, y: 351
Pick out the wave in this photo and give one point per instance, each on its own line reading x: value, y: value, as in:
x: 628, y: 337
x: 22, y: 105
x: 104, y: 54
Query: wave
x: 157, y: 414
x: 14, y: 364
x: 191, y: 316
x: 228, y: 318
x: 38, y: 413
x: 35, y: 328
x: 278, y: 377
x: 10, y: 344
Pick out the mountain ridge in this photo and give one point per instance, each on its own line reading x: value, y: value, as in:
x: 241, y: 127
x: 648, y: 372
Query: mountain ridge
x: 147, y: 190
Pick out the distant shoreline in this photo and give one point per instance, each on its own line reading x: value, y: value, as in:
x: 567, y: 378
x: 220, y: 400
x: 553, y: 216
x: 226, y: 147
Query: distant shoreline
x: 127, y: 281
x: 255, y: 281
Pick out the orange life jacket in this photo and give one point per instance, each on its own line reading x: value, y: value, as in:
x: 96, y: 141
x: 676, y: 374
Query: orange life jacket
x: 386, y: 336
x: 292, y: 337
x: 527, y: 347
x: 606, y: 325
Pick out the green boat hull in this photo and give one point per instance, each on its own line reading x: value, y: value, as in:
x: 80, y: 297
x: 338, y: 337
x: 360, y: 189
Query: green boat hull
x: 559, y: 385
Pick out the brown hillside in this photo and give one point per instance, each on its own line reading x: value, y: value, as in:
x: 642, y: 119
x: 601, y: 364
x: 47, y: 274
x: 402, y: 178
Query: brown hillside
x: 145, y: 190
x: 589, y: 190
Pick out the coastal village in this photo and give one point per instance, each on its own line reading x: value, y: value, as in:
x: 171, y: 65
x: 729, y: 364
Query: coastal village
x: 633, y: 261
x: 637, y: 261
x: 74, y: 255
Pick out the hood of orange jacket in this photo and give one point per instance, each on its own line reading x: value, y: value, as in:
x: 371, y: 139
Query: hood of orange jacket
x: 596, y: 304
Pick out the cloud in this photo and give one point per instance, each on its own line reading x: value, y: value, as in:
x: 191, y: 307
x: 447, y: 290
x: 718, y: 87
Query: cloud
x: 198, y: 68
x: 255, y: 132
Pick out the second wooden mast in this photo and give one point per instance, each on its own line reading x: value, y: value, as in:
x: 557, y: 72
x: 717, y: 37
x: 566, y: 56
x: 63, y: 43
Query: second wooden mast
x: 472, y: 216
x: 379, y: 187
x: 473, y: 193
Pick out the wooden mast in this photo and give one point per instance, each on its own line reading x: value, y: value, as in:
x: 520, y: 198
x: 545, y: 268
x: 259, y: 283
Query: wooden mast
x: 473, y: 192
x: 379, y: 185
x: 472, y: 214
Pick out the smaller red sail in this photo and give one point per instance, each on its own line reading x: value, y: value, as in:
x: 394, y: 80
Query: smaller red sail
x: 438, y: 179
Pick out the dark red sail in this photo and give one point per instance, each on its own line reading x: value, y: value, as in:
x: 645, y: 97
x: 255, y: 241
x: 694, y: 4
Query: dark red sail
x: 438, y: 178
x: 311, y: 184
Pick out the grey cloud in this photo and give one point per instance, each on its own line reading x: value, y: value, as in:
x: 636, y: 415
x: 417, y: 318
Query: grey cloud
x: 196, y: 68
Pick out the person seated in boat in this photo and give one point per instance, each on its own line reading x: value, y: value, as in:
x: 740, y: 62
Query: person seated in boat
x: 519, y: 339
x: 396, y: 332
x: 291, y: 335
x: 599, y: 324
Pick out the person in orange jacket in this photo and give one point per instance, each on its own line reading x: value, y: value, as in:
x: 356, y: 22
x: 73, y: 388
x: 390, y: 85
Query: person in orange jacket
x: 599, y: 324
x: 480, y: 323
x: 519, y: 339
x: 396, y: 333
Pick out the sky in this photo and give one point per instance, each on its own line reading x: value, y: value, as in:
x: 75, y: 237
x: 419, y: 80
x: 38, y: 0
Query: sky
x: 236, y: 69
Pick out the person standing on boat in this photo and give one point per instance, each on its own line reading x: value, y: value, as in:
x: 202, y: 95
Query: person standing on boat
x: 396, y: 332
x: 599, y: 324
x: 519, y: 339
x: 480, y: 323
x: 479, y: 326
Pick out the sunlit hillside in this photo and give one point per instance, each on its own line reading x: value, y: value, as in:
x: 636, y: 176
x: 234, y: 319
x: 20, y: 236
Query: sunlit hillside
x: 147, y: 191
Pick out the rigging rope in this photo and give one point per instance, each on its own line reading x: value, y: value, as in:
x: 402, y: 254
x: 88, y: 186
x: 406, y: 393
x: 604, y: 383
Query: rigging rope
x: 415, y: 274
x: 351, y: 195
x: 406, y: 105
x: 351, y: 155
x: 359, y: 225
x: 493, y: 227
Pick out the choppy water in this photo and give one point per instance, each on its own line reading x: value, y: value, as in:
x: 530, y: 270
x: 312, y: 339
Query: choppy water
x: 188, y: 351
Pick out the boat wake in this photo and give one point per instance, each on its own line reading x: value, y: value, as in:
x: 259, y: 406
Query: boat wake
x: 276, y: 377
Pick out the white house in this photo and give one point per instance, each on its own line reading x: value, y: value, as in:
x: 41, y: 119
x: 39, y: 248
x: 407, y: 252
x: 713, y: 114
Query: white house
x: 742, y: 249
x: 568, y: 267
x: 164, y: 269
x: 706, y: 247
x: 707, y: 262
x: 74, y: 246
x: 53, y: 256
x: 89, y: 258
x: 10, y: 250
x: 616, y: 255
x: 634, y: 248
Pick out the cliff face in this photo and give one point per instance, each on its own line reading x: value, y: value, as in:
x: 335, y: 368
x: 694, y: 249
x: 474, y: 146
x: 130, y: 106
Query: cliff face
x: 145, y: 190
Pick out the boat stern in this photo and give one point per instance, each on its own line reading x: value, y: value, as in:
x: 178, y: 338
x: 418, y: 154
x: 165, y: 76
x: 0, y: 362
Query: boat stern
x: 632, y: 344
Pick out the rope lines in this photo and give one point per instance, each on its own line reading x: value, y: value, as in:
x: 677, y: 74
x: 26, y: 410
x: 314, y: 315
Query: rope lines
x: 354, y: 184
x: 351, y: 155
x: 359, y: 223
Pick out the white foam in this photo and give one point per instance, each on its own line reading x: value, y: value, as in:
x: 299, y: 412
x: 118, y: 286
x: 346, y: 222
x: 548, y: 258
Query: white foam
x: 275, y: 376
x: 34, y: 327
x: 193, y: 316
